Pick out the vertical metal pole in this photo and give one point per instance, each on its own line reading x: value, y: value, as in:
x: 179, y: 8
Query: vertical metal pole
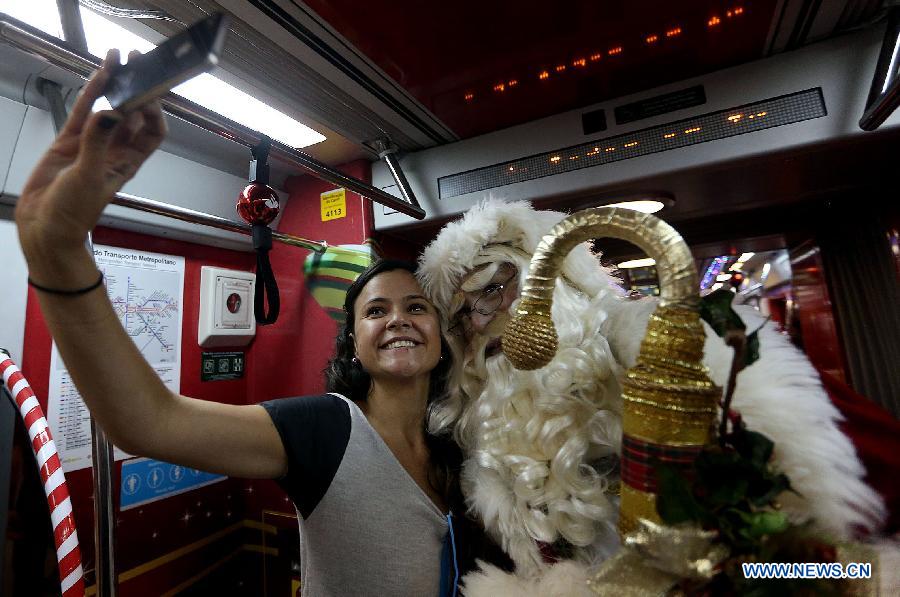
x: 101, y: 448
x: 73, y: 28
x: 104, y: 512
x: 387, y: 151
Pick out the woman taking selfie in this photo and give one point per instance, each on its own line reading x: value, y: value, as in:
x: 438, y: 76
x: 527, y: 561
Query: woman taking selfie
x: 372, y: 490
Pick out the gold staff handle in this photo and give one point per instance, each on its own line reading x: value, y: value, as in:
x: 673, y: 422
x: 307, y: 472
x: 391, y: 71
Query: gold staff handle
x: 530, y: 340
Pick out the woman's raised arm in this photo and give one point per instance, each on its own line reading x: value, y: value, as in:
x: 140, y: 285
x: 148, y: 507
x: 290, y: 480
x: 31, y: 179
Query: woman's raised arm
x: 92, y: 158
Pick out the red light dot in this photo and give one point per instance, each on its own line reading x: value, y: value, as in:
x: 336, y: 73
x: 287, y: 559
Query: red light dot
x: 500, y: 88
x: 469, y: 97
x: 713, y: 21
x: 651, y: 39
x: 512, y: 83
x: 544, y: 75
x: 615, y: 51
x: 596, y: 57
x: 560, y: 68
x: 579, y: 62
x: 739, y: 10
x: 673, y: 32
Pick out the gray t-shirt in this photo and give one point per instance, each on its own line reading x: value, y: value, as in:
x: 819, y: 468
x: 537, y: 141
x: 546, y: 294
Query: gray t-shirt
x: 373, y: 531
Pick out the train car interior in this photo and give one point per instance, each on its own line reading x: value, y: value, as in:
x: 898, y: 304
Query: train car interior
x: 763, y: 131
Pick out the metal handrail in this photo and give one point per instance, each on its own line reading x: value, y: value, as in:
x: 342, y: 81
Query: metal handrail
x: 56, y: 53
x: 884, y: 93
x: 195, y: 217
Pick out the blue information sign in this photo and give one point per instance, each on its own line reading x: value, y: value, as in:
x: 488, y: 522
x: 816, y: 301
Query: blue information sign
x: 145, y: 480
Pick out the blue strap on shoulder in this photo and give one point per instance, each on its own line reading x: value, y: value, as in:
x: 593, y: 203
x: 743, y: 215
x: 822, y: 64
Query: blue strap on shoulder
x: 449, y: 564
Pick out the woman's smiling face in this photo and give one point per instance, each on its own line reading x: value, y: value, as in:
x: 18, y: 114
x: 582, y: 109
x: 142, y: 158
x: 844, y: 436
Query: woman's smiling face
x: 397, y: 331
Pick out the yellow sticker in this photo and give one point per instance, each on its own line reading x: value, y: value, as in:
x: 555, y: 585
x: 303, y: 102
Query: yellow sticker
x: 334, y: 204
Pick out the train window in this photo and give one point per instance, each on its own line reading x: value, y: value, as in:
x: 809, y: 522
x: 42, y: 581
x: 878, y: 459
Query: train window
x: 42, y: 14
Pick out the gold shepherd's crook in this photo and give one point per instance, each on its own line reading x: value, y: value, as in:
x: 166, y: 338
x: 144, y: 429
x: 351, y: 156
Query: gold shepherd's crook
x: 670, y: 402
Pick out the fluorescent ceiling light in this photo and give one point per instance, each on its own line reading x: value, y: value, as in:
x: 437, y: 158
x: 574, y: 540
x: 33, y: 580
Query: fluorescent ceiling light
x: 647, y: 262
x: 765, y: 270
x: 241, y: 107
x: 43, y: 14
x: 716, y: 286
x: 723, y: 277
x: 745, y: 257
x: 206, y: 90
x: 645, y: 206
x: 736, y: 266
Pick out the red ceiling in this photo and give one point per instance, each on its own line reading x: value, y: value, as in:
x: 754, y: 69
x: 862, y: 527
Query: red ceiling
x: 443, y: 51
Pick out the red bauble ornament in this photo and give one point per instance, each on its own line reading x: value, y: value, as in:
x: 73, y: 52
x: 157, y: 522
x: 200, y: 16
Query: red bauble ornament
x: 257, y: 204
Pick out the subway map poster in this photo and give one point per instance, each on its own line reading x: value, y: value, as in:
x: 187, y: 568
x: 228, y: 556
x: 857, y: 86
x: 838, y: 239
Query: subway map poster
x: 146, y: 292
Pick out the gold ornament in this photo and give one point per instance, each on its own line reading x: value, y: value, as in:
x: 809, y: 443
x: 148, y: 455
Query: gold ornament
x: 655, y: 557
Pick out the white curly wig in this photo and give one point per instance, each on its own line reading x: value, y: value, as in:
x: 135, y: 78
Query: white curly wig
x: 541, y: 445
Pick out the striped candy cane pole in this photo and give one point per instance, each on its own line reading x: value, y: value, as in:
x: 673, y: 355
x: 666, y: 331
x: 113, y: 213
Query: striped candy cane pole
x: 68, y: 554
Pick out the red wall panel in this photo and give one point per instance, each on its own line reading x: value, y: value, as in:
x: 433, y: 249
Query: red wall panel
x: 293, y: 352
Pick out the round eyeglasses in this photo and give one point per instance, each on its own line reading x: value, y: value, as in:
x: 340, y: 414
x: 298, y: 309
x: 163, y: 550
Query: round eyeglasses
x: 487, y: 303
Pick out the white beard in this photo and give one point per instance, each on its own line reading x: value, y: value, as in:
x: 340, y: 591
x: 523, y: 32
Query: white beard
x: 542, y: 446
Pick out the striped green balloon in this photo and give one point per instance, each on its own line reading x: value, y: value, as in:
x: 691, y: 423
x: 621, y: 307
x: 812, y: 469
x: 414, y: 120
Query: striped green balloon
x: 328, y: 275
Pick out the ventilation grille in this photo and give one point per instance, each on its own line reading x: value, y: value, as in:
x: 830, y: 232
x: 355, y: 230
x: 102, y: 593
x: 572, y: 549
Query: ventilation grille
x: 778, y: 111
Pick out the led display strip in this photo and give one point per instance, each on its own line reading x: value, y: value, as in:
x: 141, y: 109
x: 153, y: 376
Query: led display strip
x: 765, y: 114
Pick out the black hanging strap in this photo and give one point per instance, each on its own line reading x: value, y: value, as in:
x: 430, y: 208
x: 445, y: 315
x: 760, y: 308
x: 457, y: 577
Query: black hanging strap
x: 266, y: 287
x: 259, y: 164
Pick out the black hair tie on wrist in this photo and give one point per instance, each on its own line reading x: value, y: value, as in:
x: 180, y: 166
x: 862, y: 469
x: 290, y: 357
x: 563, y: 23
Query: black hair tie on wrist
x: 62, y: 292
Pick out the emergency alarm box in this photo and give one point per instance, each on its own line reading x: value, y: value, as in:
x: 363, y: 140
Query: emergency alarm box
x: 226, y: 307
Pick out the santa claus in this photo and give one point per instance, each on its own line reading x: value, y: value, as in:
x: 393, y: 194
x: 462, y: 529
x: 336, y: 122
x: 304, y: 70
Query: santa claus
x: 542, y: 447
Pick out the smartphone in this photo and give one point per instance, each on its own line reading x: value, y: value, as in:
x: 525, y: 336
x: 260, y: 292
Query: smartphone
x: 179, y: 58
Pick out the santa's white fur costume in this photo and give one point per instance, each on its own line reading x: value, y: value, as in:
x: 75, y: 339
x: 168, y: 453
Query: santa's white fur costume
x: 541, y: 446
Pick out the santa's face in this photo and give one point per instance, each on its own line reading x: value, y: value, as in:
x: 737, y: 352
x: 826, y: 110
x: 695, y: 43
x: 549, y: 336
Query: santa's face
x: 487, y: 293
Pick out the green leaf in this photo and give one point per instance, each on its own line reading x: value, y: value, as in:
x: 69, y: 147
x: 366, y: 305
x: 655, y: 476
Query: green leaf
x: 762, y: 523
x: 753, y: 446
x: 721, y: 478
x: 715, y: 309
x: 675, y: 503
x: 777, y: 484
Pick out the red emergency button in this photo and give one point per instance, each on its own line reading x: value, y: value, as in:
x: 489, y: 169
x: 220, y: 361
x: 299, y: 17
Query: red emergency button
x: 233, y: 302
